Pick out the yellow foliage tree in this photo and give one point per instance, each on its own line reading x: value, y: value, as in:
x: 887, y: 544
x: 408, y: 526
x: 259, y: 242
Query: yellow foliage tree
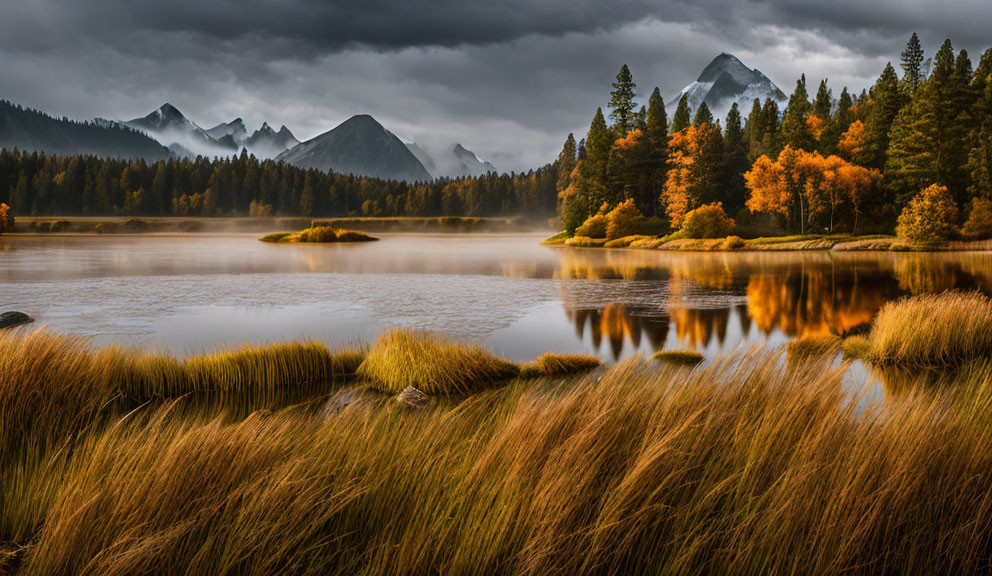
x: 852, y: 143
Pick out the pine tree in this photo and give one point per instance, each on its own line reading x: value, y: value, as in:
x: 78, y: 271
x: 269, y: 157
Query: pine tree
x: 771, y: 140
x: 795, y: 127
x: 703, y: 115
x: 656, y: 130
x: 622, y: 105
x: 593, y: 168
x: 566, y: 164
x: 735, y: 161
x: 682, y: 118
x: 912, y: 65
x: 822, y: 126
x: 886, y: 102
x: 980, y: 156
x: 929, y: 138
x: 754, y: 131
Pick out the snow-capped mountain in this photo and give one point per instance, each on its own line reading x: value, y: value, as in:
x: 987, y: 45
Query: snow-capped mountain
x: 179, y: 134
x: 727, y: 80
x: 359, y: 146
x: 450, y: 161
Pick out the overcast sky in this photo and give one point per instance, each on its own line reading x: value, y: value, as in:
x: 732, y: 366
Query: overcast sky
x: 507, y: 78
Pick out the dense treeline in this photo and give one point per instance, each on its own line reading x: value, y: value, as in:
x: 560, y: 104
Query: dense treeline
x: 851, y: 163
x: 40, y: 184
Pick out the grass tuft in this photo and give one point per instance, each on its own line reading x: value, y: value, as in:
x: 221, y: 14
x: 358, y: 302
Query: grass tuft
x: 813, y: 346
x: 559, y: 365
x: 436, y: 366
x: 679, y: 357
x: 856, y: 347
x: 933, y: 330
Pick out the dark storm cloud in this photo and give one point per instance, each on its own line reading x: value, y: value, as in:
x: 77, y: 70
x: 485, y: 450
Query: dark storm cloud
x: 507, y: 78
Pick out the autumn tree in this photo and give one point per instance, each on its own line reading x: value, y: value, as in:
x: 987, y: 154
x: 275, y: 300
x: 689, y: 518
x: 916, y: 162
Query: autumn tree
x: 695, y: 170
x: 929, y: 217
x: 6, y: 219
x: 852, y: 143
x: 622, y: 105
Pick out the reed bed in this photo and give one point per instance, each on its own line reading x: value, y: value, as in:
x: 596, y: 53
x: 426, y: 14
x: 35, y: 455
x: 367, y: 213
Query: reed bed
x: 433, y: 364
x: 559, y: 365
x: 934, y: 330
x: 744, y: 466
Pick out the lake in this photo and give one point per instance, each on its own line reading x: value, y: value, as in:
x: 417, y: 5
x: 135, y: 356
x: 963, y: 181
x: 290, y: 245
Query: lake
x: 187, y: 294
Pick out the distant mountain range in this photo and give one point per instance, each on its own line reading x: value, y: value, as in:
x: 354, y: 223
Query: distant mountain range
x: 450, y: 161
x: 727, y: 80
x: 34, y: 131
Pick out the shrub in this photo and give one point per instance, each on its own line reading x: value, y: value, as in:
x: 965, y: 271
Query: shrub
x: 626, y: 241
x: 593, y: 227
x: 707, y: 221
x: 679, y: 357
x: 978, y: 226
x: 559, y: 365
x: 929, y: 217
x: 624, y: 220
x: 436, y: 366
x: 933, y: 330
x: 733, y: 243
x: 6, y: 219
x: 318, y: 234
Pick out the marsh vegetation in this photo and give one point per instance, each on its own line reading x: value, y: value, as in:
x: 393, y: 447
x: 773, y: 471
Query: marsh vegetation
x: 117, y: 461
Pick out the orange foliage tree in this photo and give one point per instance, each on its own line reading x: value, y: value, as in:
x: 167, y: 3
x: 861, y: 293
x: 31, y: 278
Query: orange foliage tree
x: 852, y: 142
x: 806, y: 184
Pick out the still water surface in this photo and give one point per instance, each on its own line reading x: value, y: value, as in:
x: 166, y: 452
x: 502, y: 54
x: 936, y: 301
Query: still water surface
x: 187, y: 294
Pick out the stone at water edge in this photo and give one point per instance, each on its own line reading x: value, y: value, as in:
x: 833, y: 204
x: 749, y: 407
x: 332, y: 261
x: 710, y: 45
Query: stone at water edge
x: 11, y: 319
x: 413, y: 397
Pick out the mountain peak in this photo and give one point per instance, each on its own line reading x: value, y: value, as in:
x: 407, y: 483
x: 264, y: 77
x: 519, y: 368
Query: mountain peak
x: 169, y: 111
x: 726, y: 80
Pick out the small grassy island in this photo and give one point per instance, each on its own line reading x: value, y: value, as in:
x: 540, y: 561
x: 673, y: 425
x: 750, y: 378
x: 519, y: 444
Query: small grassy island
x: 319, y: 235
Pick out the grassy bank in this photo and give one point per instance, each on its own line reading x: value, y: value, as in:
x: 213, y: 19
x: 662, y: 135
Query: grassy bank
x: 747, y: 465
x: 839, y: 242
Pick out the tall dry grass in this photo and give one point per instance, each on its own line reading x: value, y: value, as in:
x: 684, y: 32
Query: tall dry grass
x: 743, y: 466
x: 934, y: 330
x: 435, y: 365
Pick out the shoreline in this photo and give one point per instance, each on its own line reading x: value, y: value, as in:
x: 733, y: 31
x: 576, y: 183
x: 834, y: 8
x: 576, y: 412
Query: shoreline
x: 807, y: 243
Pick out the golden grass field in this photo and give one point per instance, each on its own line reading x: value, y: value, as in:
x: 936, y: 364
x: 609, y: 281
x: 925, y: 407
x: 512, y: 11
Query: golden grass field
x: 295, y: 459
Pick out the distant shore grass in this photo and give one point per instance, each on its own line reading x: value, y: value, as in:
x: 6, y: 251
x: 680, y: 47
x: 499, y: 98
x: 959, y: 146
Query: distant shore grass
x: 433, y: 364
x: 743, y: 466
x: 813, y: 346
x: 934, y: 330
x: 679, y: 357
x: 319, y: 235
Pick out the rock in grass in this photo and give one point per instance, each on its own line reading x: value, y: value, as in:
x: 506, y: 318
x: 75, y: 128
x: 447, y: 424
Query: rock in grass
x: 679, y: 357
x: 413, y: 398
x: 12, y: 319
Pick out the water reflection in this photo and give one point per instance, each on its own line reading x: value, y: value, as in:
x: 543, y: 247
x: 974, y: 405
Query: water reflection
x: 696, y: 297
x: 193, y: 293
